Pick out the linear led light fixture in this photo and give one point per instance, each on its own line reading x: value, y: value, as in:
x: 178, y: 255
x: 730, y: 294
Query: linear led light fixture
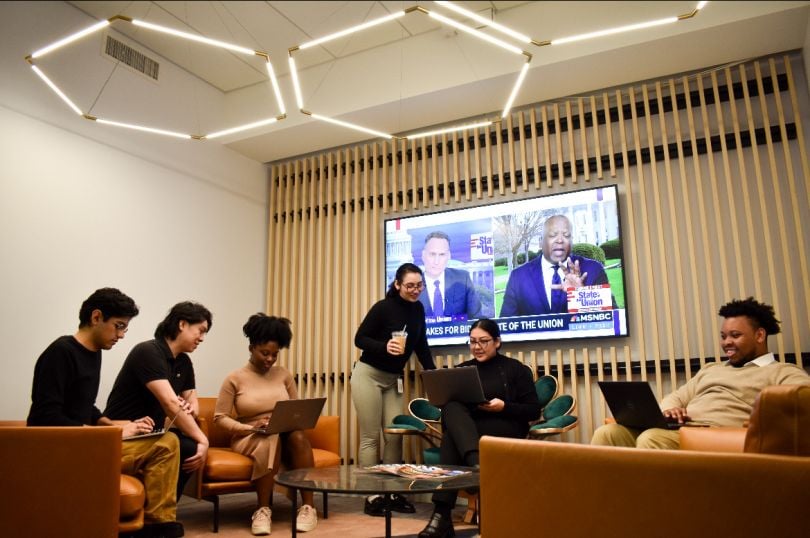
x: 622, y: 29
x: 166, y: 30
x: 449, y: 130
x: 375, y: 22
x: 486, y: 22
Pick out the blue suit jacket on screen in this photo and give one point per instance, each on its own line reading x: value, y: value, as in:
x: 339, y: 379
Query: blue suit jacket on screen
x: 526, y: 293
x: 459, y: 295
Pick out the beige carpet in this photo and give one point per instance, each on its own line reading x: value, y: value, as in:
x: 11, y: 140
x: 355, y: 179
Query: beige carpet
x: 346, y: 518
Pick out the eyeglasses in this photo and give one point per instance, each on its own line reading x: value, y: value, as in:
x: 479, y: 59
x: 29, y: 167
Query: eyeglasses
x: 121, y: 327
x: 483, y: 342
x: 413, y: 287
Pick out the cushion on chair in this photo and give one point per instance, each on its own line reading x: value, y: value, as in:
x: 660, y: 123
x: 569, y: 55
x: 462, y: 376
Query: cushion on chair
x: 223, y: 465
x: 132, y: 496
x: 325, y: 458
x: 560, y: 406
x: 546, y: 388
x: 556, y: 422
x: 407, y: 422
x: 423, y: 409
x: 430, y: 455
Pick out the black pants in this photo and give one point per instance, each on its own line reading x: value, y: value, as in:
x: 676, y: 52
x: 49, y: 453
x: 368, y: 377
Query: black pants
x: 188, y: 447
x: 462, y: 427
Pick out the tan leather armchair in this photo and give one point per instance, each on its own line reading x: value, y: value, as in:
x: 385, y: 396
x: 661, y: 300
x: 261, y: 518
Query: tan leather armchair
x: 779, y: 424
x: 61, y: 481
x: 226, y: 471
x: 565, y: 489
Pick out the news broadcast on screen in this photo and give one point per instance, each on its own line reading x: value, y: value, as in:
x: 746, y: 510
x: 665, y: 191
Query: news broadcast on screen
x: 545, y: 268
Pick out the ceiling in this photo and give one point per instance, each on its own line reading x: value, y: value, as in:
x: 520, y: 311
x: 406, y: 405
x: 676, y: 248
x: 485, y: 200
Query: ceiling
x: 406, y: 74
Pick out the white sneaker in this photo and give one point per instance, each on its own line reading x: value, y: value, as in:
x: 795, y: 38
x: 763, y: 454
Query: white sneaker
x: 307, y: 519
x: 260, y: 525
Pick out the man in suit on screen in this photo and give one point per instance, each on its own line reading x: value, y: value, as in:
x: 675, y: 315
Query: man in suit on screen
x: 538, y: 287
x: 447, y: 292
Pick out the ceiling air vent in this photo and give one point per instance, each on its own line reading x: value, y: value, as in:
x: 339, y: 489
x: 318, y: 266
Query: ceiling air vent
x: 128, y: 56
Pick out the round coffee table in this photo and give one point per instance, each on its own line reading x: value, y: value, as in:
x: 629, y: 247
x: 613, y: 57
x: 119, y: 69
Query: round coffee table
x: 355, y: 480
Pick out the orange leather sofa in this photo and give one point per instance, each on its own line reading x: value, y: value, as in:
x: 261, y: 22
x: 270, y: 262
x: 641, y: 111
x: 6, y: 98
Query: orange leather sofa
x: 572, y: 490
x: 229, y: 472
x: 60, y: 481
x: 22, y: 447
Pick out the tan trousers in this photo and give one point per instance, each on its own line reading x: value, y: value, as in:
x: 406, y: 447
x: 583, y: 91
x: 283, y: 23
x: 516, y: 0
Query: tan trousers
x: 155, y: 461
x: 618, y: 435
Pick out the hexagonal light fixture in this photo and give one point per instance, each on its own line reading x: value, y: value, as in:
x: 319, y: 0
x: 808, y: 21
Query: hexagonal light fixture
x: 173, y: 32
x: 376, y: 22
x: 472, y: 31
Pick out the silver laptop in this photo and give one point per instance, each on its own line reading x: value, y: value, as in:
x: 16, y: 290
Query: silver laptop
x: 290, y: 415
x: 633, y: 404
x: 154, y: 433
x: 453, y: 385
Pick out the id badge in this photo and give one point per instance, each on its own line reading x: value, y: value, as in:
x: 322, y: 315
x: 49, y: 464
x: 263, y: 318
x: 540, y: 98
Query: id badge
x: 400, y: 386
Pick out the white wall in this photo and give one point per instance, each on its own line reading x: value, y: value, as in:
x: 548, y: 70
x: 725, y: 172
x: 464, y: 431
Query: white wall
x: 78, y: 214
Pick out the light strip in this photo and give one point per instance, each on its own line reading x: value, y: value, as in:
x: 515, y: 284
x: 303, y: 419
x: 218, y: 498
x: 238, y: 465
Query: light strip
x: 352, y: 30
x: 617, y: 30
x: 276, y: 89
x: 448, y: 130
x: 241, y: 128
x: 701, y: 5
x: 476, y: 33
x: 56, y: 90
x: 352, y: 126
x: 144, y: 129
x: 70, y: 39
x: 483, y: 20
x: 514, y: 93
x: 192, y: 37
x: 296, y: 86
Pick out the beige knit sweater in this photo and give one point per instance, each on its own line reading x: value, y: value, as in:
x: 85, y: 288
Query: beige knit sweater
x: 723, y: 395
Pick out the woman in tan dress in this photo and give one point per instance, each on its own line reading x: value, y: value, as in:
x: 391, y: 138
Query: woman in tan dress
x: 246, y: 401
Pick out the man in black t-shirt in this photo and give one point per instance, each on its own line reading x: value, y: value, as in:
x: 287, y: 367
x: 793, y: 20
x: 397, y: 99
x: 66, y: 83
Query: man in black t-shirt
x: 157, y: 380
x: 66, y: 381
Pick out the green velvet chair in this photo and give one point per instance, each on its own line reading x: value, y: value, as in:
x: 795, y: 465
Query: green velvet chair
x: 424, y: 420
x: 556, y: 417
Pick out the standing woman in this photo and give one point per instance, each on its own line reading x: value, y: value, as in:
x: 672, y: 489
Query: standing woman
x: 246, y: 401
x: 376, y: 378
x: 512, y: 404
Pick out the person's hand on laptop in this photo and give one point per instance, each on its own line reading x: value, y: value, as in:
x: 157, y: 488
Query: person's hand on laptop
x: 138, y: 427
x: 677, y: 414
x: 495, y: 405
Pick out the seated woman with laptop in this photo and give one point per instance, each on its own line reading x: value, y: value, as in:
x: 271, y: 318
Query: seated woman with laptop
x: 246, y: 402
x: 511, y: 404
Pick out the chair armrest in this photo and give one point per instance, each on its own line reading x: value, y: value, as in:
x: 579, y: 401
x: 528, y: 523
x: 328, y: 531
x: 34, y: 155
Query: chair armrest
x: 326, y: 434
x: 714, y: 439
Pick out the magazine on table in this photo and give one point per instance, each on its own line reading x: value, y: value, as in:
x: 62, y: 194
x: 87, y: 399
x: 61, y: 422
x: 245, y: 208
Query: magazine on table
x: 407, y: 470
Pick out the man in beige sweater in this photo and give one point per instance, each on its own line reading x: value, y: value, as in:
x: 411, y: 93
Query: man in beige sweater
x: 721, y: 393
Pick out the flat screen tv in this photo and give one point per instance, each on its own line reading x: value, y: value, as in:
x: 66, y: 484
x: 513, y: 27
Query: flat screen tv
x: 545, y: 268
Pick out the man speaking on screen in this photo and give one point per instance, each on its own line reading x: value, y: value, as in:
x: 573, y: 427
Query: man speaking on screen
x: 447, y: 292
x: 539, y: 286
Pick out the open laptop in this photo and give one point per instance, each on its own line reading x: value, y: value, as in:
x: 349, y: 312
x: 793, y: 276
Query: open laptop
x: 290, y: 415
x: 154, y: 433
x: 453, y: 384
x: 633, y: 404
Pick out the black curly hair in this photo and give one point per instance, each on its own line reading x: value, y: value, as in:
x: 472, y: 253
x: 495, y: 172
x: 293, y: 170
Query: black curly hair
x: 261, y: 328
x: 760, y: 314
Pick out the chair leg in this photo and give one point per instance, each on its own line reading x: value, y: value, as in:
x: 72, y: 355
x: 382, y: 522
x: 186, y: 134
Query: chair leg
x: 325, y: 505
x: 216, y: 513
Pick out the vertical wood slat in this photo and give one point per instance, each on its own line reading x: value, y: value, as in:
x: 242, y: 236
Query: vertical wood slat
x: 546, y: 144
x: 680, y: 291
x: 652, y: 327
x: 662, y: 261
x: 522, y: 146
x: 583, y: 132
x: 535, y: 152
x: 477, y: 171
x: 609, y: 133
x: 510, y: 137
x: 776, y: 181
x: 794, y: 196
x: 707, y: 253
x: 488, y: 161
x: 558, y: 144
x: 499, y: 158
x: 749, y: 222
x: 766, y: 224
x: 572, y: 152
x: 597, y: 143
x: 434, y: 169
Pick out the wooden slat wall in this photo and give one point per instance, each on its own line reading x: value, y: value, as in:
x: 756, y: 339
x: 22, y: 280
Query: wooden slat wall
x: 716, y: 209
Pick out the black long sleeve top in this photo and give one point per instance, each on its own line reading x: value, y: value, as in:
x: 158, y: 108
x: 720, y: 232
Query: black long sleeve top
x: 386, y: 316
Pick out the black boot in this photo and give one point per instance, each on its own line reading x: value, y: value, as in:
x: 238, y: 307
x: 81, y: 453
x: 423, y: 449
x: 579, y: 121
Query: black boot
x: 439, y: 526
